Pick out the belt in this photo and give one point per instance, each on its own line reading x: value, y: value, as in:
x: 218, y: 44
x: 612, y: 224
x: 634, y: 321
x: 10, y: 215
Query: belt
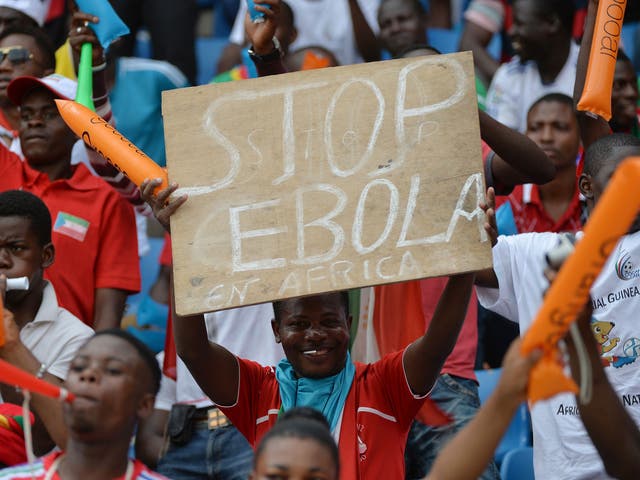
x: 212, y: 417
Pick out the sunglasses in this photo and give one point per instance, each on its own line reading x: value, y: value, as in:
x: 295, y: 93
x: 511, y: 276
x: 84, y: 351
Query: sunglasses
x: 16, y: 55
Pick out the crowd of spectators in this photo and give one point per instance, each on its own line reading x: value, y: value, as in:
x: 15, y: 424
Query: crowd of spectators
x: 310, y: 402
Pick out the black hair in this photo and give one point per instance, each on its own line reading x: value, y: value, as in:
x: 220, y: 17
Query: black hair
x: 145, y: 353
x: 605, y: 149
x: 301, y: 425
x: 417, y: 46
x: 18, y: 203
x: 42, y: 41
x: 279, y: 305
x: 564, y: 10
x: 304, y: 412
x: 553, y: 98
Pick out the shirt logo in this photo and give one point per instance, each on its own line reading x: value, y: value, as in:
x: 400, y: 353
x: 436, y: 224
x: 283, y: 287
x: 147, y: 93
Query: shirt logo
x: 625, y: 268
x: 71, y: 226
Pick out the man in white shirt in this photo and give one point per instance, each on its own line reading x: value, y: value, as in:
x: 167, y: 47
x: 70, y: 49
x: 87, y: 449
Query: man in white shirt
x: 545, y: 60
x: 514, y: 289
x: 347, y: 28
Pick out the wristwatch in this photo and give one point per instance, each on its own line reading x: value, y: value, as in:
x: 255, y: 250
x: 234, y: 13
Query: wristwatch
x: 276, y: 54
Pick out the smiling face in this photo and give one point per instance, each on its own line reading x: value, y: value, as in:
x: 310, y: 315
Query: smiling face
x: 22, y: 255
x: 111, y: 384
x: 290, y: 458
x: 44, y: 137
x: 552, y: 125
x: 401, y: 25
x: 31, y: 66
x: 314, y: 332
x: 624, y: 97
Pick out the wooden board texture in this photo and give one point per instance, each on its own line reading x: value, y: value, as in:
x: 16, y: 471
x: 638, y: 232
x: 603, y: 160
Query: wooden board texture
x: 325, y: 180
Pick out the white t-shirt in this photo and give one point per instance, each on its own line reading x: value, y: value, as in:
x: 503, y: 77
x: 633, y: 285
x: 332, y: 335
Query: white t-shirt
x: 326, y: 23
x: 55, y: 335
x: 562, y: 448
x: 245, y: 331
x: 516, y: 86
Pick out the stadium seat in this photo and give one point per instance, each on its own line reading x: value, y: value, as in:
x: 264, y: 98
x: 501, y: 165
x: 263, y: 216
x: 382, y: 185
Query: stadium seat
x: 630, y: 42
x: 518, y: 465
x: 518, y: 434
x: 208, y: 50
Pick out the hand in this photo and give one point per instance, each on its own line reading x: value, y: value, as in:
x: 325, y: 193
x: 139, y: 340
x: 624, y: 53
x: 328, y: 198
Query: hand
x: 260, y: 35
x: 489, y: 209
x: 162, y: 205
x: 81, y: 33
x: 11, y: 330
x: 512, y: 387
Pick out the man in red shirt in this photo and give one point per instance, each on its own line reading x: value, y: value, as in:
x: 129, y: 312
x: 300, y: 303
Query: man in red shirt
x: 94, y: 229
x: 554, y: 206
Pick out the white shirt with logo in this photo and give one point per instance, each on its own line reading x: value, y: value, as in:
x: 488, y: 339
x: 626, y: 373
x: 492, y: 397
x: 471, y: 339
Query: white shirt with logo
x: 562, y: 448
x: 516, y: 86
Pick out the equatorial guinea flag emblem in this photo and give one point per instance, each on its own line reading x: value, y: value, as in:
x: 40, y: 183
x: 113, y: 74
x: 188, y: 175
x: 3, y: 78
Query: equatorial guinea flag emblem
x: 72, y: 226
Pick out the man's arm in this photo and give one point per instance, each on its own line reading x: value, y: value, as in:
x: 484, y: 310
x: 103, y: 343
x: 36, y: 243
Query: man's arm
x: 190, y: 333
x: 488, y: 278
x: 424, y: 358
x: 480, y: 438
x: 477, y: 39
x: 49, y: 427
x: 366, y: 40
x: 108, y: 308
x: 591, y: 128
x: 518, y: 159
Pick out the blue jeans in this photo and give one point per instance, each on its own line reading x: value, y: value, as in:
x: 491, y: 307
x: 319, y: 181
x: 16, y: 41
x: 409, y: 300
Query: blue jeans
x: 220, y: 454
x: 459, y: 398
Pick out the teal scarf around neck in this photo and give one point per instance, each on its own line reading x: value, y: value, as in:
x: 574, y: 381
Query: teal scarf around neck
x: 327, y: 395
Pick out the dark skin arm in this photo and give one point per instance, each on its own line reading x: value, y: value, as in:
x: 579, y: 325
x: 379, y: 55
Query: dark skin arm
x: 439, y: 14
x: 591, y: 128
x: 487, y: 278
x: 108, y: 308
x: 366, y: 40
x: 480, y: 438
x: 424, y: 358
x: 476, y: 39
x: 48, y: 429
x: 518, y: 159
x: 150, y: 437
x: 190, y: 333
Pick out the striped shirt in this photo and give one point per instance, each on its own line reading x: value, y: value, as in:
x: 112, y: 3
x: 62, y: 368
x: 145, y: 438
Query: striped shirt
x: 38, y: 470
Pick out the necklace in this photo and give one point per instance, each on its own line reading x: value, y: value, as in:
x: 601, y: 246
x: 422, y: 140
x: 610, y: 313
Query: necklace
x: 54, y: 468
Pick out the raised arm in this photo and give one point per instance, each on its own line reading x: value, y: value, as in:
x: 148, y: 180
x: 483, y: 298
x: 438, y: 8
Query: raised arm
x: 424, y: 358
x: 366, y: 39
x: 518, y: 159
x: 480, y: 438
x: 213, y: 366
x: 591, y: 128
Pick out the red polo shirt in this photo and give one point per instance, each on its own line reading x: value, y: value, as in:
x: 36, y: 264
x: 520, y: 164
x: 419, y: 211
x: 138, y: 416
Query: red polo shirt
x: 94, y: 233
x: 530, y: 216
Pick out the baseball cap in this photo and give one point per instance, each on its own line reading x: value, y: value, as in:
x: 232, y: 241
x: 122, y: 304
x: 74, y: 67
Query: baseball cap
x: 36, y: 9
x: 61, y: 86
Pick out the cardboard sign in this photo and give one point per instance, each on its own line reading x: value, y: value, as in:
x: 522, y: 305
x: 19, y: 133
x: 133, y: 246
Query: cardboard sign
x: 325, y: 180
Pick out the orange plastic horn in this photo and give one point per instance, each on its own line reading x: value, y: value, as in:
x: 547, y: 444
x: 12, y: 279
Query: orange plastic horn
x: 612, y: 217
x: 596, y: 94
x: 111, y: 144
x: 12, y: 375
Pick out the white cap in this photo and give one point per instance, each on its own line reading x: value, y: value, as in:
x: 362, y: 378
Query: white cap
x: 61, y: 86
x: 36, y: 9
